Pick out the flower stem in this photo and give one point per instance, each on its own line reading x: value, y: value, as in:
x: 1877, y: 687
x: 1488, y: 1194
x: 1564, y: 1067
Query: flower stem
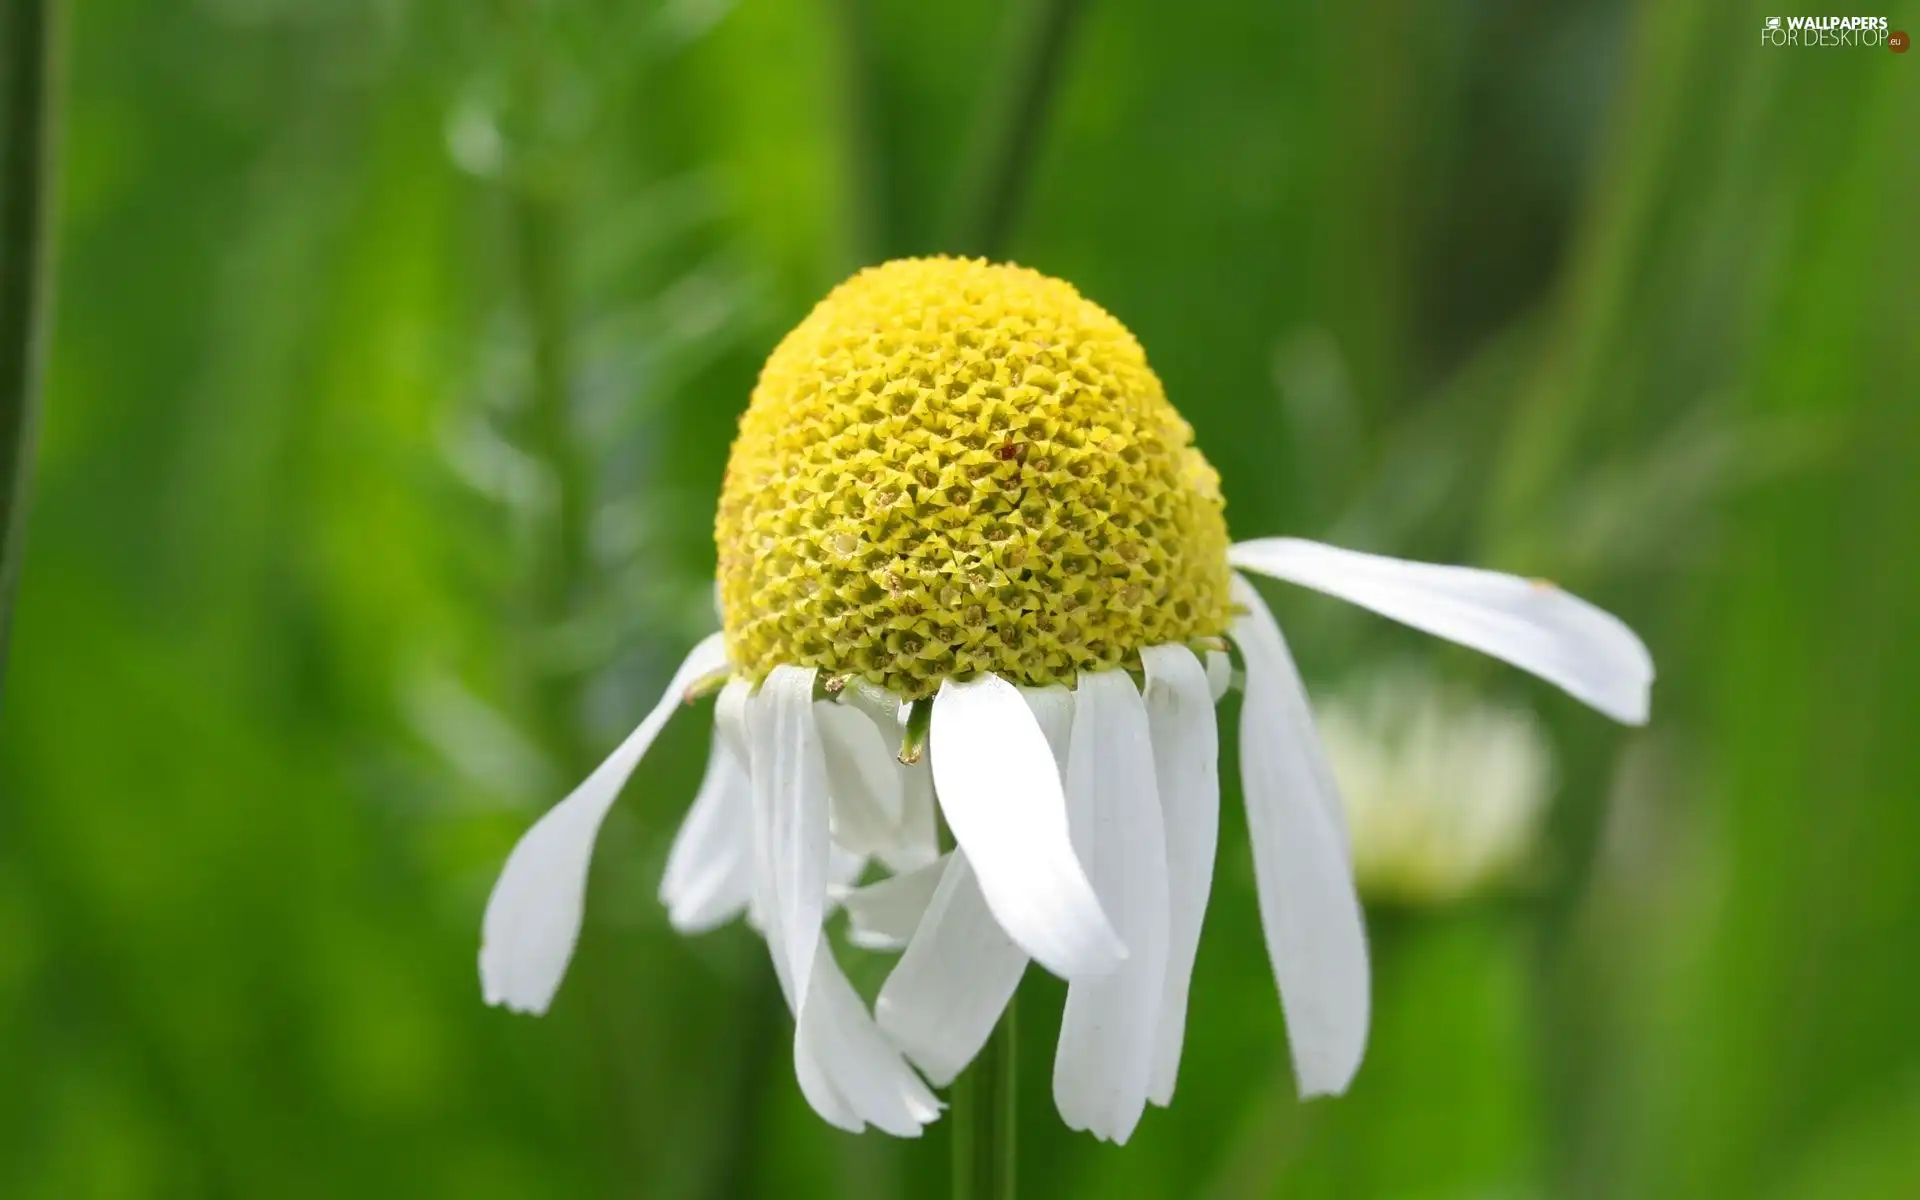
x: 27, y: 43
x: 985, y: 1108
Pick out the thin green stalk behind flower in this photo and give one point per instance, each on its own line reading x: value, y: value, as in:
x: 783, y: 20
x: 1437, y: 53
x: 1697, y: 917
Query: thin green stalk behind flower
x: 986, y: 1139
x: 28, y: 31
x: 1013, y: 120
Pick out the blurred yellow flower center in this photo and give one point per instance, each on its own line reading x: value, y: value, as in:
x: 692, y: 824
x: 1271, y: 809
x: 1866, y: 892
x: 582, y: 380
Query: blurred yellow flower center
x: 953, y: 467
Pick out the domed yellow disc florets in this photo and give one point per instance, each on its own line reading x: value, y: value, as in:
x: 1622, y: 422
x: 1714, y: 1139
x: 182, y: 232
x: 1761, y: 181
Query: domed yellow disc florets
x: 953, y: 467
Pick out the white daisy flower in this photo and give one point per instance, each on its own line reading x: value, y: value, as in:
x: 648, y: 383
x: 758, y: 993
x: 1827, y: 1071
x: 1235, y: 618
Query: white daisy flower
x: 962, y: 516
x: 1445, y: 794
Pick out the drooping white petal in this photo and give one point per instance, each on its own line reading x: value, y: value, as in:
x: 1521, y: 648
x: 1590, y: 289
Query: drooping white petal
x: 1186, y: 764
x: 846, y: 1066
x: 810, y: 1068
x: 901, y: 829
x: 1103, y: 1068
x: 960, y: 970
x: 709, y: 871
x: 1052, y: 709
x: 844, y: 869
x: 1258, y: 634
x: 863, y: 778
x: 730, y: 729
x: 730, y: 719
x: 1308, y: 908
x: 883, y: 915
x: 1219, y: 673
x: 881, y: 705
x: 1529, y: 623
x: 792, y: 850
x: 533, y: 916
x: 919, y: 840
x: 1001, y: 793
x: 944, y: 996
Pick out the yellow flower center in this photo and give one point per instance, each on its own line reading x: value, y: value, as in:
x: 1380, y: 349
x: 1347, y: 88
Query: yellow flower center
x: 952, y: 467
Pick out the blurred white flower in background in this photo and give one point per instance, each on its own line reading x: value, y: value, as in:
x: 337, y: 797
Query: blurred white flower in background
x: 1445, y: 793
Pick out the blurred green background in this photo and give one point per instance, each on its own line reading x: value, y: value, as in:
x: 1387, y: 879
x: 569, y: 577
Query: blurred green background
x: 398, y: 348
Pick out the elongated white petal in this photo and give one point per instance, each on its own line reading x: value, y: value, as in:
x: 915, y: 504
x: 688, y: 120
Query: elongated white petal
x: 1219, y: 674
x: 892, y: 816
x: 811, y: 1068
x: 791, y: 843
x: 844, y: 869
x: 1052, y: 709
x: 709, y: 871
x: 1308, y: 907
x: 1529, y: 623
x: 533, y: 916
x: 884, y: 914
x: 1103, y: 1068
x: 960, y: 971
x: 1186, y: 764
x: 863, y: 778
x: 1258, y: 635
x: 998, y: 786
x: 838, y: 1045
x: 948, y: 990
x: 919, y: 840
x: 730, y: 719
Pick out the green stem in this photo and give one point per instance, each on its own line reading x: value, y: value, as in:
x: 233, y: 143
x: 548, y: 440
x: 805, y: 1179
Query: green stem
x: 985, y: 1108
x: 1007, y: 135
x: 28, y: 29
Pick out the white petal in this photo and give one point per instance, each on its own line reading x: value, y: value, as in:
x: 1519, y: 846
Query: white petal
x: 844, y: 869
x: 1219, y: 673
x: 1258, y: 636
x: 730, y: 719
x: 709, y: 871
x: 1104, y: 1066
x: 878, y: 703
x: 1315, y: 936
x: 791, y: 844
x: 913, y: 839
x: 1052, y: 709
x: 533, y: 916
x: 883, y: 915
x: 1531, y: 624
x: 1186, y: 764
x: 863, y: 778
x: 816, y: 1084
x: 919, y: 840
x: 997, y: 783
x: 838, y: 1045
x: 959, y: 971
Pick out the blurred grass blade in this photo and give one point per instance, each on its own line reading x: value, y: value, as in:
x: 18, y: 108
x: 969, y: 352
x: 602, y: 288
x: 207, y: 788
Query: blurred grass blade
x: 1011, y: 121
x: 870, y: 225
x: 26, y: 159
